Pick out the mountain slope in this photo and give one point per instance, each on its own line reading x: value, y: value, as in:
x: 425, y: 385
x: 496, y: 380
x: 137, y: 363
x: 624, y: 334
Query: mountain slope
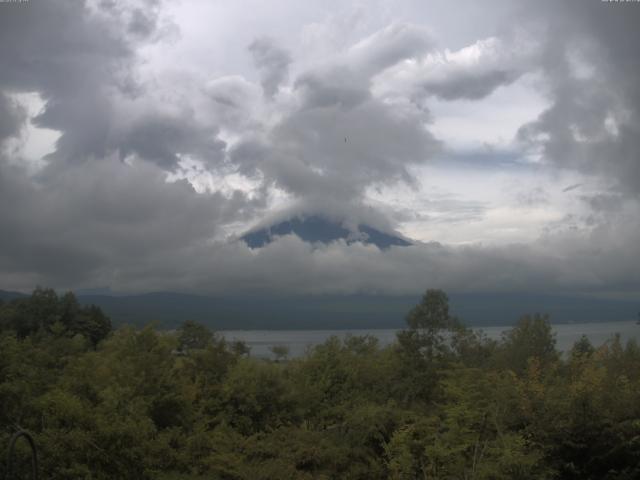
x: 348, y: 311
x: 9, y: 295
x: 316, y: 229
x: 319, y: 312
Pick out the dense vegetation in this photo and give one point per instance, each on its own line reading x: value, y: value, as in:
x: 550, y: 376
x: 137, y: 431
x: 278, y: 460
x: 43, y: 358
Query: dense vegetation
x: 442, y: 402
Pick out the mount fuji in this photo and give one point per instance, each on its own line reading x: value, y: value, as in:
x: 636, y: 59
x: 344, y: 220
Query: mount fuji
x: 319, y: 229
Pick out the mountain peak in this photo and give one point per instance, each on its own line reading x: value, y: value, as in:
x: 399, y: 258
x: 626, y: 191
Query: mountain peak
x: 318, y: 229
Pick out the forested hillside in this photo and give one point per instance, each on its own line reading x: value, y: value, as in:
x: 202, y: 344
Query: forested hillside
x: 443, y: 402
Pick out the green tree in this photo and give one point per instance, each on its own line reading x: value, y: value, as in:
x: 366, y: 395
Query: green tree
x: 46, y: 313
x: 256, y: 397
x: 193, y: 336
x: 582, y: 347
x: 423, y: 348
x: 532, y: 337
x: 280, y: 352
x: 91, y: 322
x: 26, y: 316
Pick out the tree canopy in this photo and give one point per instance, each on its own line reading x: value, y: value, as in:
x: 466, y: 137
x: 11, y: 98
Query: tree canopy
x: 442, y: 402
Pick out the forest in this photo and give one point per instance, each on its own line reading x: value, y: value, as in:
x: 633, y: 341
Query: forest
x: 442, y: 402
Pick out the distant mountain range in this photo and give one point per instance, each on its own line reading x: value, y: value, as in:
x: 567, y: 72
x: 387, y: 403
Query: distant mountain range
x: 169, y: 310
x: 317, y: 229
x: 9, y: 295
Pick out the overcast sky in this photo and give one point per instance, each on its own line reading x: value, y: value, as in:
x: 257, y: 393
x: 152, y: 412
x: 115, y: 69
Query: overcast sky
x: 140, y: 138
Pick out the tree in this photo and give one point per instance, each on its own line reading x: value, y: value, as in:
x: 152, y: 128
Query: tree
x: 92, y: 323
x: 26, y: 316
x: 432, y: 313
x: 240, y: 348
x: 582, y: 347
x: 428, y: 322
x: 280, y: 352
x: 194, y: 336
x: 49, y: 314
x: 423, y: 348
x: 532, y: 337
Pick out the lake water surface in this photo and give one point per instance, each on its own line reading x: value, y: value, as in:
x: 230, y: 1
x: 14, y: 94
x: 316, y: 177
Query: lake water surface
x: 299, y: 341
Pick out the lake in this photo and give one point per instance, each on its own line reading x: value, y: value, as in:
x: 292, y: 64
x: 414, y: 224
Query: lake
x: 299, y: 341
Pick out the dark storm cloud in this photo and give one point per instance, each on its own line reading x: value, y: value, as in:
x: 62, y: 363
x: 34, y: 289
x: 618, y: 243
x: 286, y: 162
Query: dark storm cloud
x: 72, y: 58
x: 272, y: 62
x: 97, y: 219
x: 592, y: 66
x: 161, y: 139
x: 84, y: 119
x: 57, y: 47
x: 12, y: 117
x: 87, y: 215
x: 81, y: 58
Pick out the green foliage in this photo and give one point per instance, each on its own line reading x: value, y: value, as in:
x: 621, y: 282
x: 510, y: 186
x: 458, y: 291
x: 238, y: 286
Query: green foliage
x: 532, y: 337
x: 582, y: 347
x: 443, y: 402
x: 193, y: 336
x: 45, y: 313
x: 280, y: 352
x: 427, y: 323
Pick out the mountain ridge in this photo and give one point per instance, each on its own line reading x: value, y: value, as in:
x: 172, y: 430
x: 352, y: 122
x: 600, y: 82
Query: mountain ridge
x: 318, y: 312
x: 334, y: 312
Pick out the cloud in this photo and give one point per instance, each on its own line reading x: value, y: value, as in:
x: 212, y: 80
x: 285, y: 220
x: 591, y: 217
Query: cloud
x: 339, y: 152
x: 72, y: 57
x: 100, y: 219
x: 334, y: 139
x: 346, y: 79
x: 564, y: 263
x: 105, y: 223
x: 604, y: 203
x: 12, y: 117
x: 590, y: 66
x: 272, y: 62
x: 116, y: 202
x: 235, y: 103
x: 164, y: 138
x: 471, y: 73
x: 567, y: 261
x: 388, y: 46
x: 83, y: 60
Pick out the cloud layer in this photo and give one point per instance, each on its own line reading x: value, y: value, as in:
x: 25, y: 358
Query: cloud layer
x: 161, y: 160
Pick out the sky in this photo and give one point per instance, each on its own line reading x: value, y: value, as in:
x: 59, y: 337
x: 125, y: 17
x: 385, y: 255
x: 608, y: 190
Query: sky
x: 139, y: 139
